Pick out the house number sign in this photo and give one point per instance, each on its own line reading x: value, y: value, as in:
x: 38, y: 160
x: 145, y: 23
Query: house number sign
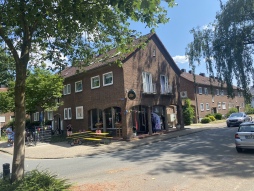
x: 131, y: 94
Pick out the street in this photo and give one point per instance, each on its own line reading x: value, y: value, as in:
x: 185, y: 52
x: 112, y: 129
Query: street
x: 202, y: 161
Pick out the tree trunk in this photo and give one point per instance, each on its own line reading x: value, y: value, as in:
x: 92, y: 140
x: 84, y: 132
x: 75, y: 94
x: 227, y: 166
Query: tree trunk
x: 20, y: 118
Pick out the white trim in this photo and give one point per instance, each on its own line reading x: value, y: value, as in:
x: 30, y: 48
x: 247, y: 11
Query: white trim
x: 207, y: 106
x: 202, y: 107
x: 92, y: 78
x: 105, y: 75
x: 76, y: 84
x: 200, y: 90
x: 50, y: 115
x: 79, y: 112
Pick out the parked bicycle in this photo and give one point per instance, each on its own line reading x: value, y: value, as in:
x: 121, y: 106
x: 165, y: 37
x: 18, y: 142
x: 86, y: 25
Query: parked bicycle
x: 29, y: 138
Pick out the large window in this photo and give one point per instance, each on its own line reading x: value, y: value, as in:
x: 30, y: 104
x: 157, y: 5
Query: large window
x: 147, y: 82
x: 78, y: 86
x: 201, y: 107
x: 207, y: 106
x: 36, y: 116
x: 67, y: 89
x: 164, y: 84
x: 200, y: 90
x: 219, y: 105
x: 223, y: 105
x: 67, y: 113
x: 50, y: 115
x: 217, y: 92
x: 108, y: 79
x: 95, y: 82
x: 206, y: 91
x: 222, y: 92
x: 79, y: 112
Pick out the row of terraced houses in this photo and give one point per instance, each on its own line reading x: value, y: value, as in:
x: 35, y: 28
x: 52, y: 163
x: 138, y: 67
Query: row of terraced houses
x: 149, y: 82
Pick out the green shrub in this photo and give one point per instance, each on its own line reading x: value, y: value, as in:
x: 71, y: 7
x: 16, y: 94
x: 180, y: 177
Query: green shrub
x: 248, y: 109
x: 36, y: 180
x: 208, y: 115
x: 212, y: 118
x: 218, y: 116
x: 205, y: 120
x: 188, y: 112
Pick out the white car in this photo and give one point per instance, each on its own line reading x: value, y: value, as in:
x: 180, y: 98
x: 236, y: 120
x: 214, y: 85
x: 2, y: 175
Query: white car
x: 244, y: 137
x: 235, y: 119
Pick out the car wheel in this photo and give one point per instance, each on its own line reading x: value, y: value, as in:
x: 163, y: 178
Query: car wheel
x: 228, y: 125
x: 239, y: 150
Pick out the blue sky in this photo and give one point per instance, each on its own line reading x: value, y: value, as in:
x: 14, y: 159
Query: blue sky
x: 175, y: 35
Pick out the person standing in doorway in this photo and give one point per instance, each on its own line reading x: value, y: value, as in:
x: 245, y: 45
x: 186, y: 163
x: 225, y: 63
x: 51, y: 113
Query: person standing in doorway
x: 69, y: 130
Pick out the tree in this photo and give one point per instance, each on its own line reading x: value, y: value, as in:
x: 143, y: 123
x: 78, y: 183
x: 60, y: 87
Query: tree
x: 51, y: 29
x: 188, y: 112
x: 7, y: 67
x: 227, y: 45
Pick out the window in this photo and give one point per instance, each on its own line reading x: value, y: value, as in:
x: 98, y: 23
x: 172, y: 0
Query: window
x: 95, y: 82
x: 223, y: 105
x: 36, y: 116
x: 50, y: 115
x: 78, y: 86
x: 79, y: 112
x: 201, y: 107
x: 212, y: 98
x: 219, y: 105
x: 206, y: 91
x: 67, y: 89
x: 147, y: 82
x: 200, y: 90
x: 207, y: 106
x: 108, y: 79
x: 67, y: 113
x: 154, y: 52
x: 222, y: 92
x: 217, y: 92
x: 164, y: 84
x: 242, y: 105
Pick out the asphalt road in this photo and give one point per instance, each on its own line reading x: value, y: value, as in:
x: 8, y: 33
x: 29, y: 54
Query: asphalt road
x: 204, y: 161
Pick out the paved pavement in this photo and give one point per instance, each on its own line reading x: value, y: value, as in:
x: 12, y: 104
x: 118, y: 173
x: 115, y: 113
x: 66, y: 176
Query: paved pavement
x: 64, y: 150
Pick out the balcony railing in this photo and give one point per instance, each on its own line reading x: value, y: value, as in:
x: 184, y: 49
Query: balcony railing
x: 149, y: 88
x: 166, y: 89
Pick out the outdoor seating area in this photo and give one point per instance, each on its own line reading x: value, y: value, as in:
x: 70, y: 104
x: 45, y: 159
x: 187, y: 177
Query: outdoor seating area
x: 89, y: 137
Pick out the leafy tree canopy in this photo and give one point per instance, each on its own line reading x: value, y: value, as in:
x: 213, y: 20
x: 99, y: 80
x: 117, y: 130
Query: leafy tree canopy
x: 227, y: 45
x: 7, y: 67
x: 35, y: 31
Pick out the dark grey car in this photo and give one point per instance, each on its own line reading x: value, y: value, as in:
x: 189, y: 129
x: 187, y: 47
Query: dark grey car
x: 235, y: 119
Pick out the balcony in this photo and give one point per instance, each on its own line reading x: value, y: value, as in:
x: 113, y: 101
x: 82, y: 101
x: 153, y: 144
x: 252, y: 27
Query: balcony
x: 166, y: 89
x: 149, y: 88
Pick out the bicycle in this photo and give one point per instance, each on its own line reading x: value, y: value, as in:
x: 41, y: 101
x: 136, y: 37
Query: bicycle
x: 29, y: 138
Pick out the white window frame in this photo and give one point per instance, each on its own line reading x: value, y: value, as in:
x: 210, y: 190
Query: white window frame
x: 200, y: 90
x: 154, y: 52
x: 223, y: 105
x: 67, y: 113
x: 36, y: 116
x: 79, y: 112
x: 110, y: 74
x: 222, y: 92
x: 202, y: 107
x: 93, y: 79
x: 76, y: 86
x: 213, y: 98
x: 207, y: 106
x: 50, y: 115
x: 164, y: 84
x: 217, y: 92
x: 242, y: 105
x: 147, y: 82
x: 205, y: 91
x: 219, y: 105
x: 68, y: 88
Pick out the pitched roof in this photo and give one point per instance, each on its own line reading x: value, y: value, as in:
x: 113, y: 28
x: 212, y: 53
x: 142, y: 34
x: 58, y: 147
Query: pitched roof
x: 203, y: 80
x: 113, y: 56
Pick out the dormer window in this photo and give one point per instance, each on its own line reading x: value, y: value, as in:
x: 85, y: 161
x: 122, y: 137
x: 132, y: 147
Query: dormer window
x: 154, y: 52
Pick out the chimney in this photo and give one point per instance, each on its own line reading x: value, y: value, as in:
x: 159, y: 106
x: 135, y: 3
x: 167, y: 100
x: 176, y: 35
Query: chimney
x: 202, y: 74
x: 190, y: 71
x: 183, y: 70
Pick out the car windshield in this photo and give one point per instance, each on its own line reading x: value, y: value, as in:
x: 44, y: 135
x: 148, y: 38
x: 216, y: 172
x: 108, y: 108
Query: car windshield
x: 236, y: 115
x: 246, y: 128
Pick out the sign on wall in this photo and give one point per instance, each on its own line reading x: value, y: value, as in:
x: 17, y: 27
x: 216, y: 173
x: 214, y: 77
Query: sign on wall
x: 131, y: 94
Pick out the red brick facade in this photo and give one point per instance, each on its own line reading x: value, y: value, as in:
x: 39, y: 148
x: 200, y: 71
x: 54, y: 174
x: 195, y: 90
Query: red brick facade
x: 5, y: 116
x: 110, y: 105
x: 213, y: 98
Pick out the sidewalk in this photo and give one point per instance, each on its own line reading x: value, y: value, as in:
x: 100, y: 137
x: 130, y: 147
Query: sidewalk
x: 64, y: 150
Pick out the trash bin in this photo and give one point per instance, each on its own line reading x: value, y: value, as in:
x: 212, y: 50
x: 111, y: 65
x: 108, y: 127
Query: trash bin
x: 6, y: 170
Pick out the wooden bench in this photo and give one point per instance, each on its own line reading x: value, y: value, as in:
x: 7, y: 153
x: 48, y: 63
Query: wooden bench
x: 92, y: 139
x: 104, y: 136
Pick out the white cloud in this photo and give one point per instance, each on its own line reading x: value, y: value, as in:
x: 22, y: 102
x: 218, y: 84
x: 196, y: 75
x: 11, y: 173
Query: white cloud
x: 180, y: 59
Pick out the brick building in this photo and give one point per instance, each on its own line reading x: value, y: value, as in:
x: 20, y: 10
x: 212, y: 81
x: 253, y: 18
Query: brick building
x: 112, y: 96
x: 208, y: 97
x: 5, y: 118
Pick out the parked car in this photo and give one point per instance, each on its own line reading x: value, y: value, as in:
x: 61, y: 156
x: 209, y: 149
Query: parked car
x: 244, y: 137
x: 235, y: 119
